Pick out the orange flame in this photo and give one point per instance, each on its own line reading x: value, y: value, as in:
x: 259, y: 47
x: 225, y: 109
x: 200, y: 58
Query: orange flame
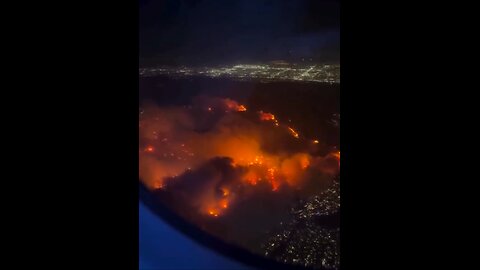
x: 271, y: 178
x: 241, y: 108
x: 251, y: 178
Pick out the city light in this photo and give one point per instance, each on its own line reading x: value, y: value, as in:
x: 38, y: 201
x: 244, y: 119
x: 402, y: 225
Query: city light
x: 264, y: 72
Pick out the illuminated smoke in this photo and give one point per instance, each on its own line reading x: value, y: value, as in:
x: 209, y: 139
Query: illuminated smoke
x: 214, y: 152
x: 266, y: 116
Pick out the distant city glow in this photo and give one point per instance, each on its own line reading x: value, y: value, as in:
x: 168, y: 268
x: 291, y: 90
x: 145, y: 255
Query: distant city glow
x: 265, y: 72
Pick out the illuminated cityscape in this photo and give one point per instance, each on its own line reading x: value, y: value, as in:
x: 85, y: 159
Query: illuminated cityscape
x: 304, y: 240
x: 263, y: 72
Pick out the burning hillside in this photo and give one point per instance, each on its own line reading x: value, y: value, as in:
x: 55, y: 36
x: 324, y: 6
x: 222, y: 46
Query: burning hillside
x: 215, y: 153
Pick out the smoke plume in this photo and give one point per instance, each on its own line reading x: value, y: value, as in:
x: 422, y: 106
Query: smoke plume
x: 215, y: 153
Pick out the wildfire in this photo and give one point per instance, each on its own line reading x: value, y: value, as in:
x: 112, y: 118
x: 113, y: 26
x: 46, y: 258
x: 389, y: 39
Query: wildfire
x: 235, y: 137
x: 241, y: 108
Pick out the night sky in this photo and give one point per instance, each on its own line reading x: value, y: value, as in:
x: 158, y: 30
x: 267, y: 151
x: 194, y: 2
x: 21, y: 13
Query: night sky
x: 213, y: 32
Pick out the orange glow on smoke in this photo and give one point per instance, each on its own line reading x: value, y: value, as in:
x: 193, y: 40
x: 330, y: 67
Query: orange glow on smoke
x: 213, y: 212
x: 304, y: 162
x: 337, y: 155
x: 169, y: 133
x: 225, y: 191
x: 158, y: 185
x: 271, y: 179
x: 266, y: 116
x: 252, y: 178
x: 275, y: 185
x: 233, y: 105
x: 258, y: 160
x: 224, y: 203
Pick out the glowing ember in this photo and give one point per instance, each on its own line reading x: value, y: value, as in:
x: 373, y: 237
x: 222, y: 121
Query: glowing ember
x: 275, y: 186
x: 304, y: 163
x: 258, y: 160
x: 233, y: 105
x: 293, y: 132
x: 158, y: 185
x: 149, y: 149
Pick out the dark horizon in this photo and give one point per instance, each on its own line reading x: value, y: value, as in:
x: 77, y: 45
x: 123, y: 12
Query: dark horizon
x: 208, y: 32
